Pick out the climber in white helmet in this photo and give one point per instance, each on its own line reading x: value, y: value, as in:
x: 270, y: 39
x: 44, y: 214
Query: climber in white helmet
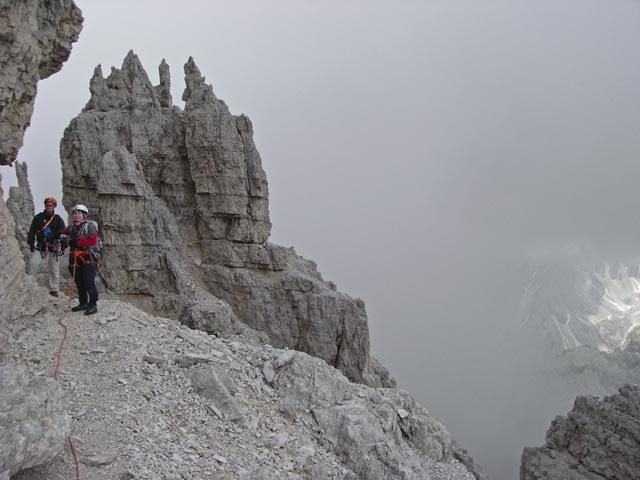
x: 83, y: 262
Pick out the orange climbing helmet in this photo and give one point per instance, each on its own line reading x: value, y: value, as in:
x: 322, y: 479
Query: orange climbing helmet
x: 51, y: 200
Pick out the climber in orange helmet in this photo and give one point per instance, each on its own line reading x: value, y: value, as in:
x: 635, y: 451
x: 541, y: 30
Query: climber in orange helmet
x: 44, y: 241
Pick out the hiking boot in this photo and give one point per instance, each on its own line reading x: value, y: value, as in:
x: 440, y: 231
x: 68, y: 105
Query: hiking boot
x: 91, y: 310
x: 79, y: 308
x: 54, y: 293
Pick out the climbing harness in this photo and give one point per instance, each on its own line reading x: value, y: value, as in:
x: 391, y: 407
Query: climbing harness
x: 56, y: 248
x: 80, y: 257
x: 45, y: 233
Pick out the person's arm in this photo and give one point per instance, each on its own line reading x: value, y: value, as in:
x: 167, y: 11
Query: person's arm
x: 89, y: 239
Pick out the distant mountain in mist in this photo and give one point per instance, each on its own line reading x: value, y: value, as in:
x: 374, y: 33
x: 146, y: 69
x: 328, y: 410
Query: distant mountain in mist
x: 570, y: 304
x: 579, y: 328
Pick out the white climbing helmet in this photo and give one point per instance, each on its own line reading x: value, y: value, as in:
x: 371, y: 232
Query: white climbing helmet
x: 80, y: 208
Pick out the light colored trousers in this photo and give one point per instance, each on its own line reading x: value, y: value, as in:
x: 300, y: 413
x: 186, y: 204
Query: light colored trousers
x: 53, y: 267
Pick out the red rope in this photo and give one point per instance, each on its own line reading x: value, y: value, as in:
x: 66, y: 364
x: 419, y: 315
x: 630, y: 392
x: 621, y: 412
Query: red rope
x: 59, y: 361
x: 75, y: 458
x: 66, y: 330
x: 64, y: 338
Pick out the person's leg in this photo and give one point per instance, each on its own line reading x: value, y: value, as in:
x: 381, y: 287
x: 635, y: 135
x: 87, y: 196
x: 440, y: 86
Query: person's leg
x: 89, y: 273
x: 53, y: 266
x: 83, y: 297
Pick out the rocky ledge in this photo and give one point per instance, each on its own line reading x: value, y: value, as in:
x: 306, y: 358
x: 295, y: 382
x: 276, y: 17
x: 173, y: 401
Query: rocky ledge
x: 597, y: 440
x: 151, y: 398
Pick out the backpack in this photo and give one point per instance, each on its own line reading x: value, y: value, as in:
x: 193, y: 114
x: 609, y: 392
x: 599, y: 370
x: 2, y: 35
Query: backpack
x: 96, y: 249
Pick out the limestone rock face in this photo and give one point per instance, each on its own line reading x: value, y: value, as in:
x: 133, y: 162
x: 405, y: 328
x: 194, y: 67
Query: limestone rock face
x: 19, y: 294
x: 182, y: 200
x: 597, y: 439
x: 231, y: 194
x: 380, y: 433
x: 33, y: 424
x: 35, y: 40
x: 20, y: 204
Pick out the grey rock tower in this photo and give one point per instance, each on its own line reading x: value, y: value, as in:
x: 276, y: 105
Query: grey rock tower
x: 183, y: 202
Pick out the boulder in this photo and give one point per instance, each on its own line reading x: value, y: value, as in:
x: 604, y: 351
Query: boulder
x: 33, y: 423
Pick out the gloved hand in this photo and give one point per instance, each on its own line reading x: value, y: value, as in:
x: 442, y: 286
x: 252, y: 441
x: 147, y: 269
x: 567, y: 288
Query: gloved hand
x: 73, y: 243
x: 32, y: 247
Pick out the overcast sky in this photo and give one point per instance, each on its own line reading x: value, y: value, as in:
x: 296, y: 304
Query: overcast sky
x: 416, y: 150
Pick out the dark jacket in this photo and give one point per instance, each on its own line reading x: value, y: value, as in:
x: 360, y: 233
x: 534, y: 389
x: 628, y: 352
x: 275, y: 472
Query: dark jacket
x: 47, y: 235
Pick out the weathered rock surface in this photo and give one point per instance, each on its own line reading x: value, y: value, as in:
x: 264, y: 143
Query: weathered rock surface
x: 598, y: 439
x: 19, y: 294
x: 182, y: 200
x: 20, y: 204
x: 35, y: 40
x: 151, y: 398
x: 33, y: 425
x: 33, y: 422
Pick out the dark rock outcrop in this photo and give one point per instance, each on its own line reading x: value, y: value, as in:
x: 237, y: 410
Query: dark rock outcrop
x: 598, y: 439
x: 35, y: 40
x: 182, y: 199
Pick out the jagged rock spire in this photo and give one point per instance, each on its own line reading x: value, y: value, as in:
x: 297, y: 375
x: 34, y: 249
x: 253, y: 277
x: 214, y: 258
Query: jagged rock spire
x: 128, y: 87
x: 164, y: 89
x: 196, y: 91
x: 232, y: 203
x: 183, y: 201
